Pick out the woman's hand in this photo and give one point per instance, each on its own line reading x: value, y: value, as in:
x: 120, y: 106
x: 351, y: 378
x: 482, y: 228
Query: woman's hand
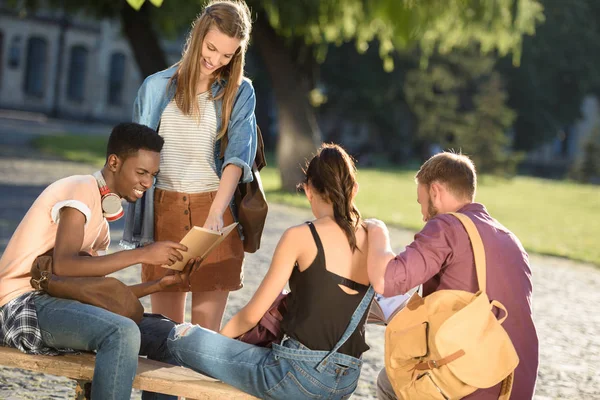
x: 227, y: 185
x: 214, y: 221
x: 376, y: 225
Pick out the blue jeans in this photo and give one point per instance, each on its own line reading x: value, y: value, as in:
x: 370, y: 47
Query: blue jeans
x: 288, y: 371
x: 117, y: 341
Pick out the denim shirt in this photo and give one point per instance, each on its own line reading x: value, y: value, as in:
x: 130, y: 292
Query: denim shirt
x: 153, y: 97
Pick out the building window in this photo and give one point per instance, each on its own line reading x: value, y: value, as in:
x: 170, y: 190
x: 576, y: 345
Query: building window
x: 1, y: 55
x: 77, y: 72
x: 116, y: 79
x: 14, y: 52
x: 35, y: 70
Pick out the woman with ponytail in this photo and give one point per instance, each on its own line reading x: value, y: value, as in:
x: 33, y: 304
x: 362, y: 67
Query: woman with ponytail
x: 325, y: 262
x: 193, y: 105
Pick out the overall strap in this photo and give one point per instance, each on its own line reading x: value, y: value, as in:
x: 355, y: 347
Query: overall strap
x: 317, y: 239
x: 354, y: 321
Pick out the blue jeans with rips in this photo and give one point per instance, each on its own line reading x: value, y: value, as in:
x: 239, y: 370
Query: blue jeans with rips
x: 288, y: 371
x: 285, y: 372
x: 117, y: 341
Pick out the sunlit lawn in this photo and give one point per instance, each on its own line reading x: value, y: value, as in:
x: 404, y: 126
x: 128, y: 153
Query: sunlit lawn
x: 80, y: 148
x: 550, y: 217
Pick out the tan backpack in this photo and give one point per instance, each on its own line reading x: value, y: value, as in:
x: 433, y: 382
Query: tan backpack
x: 449, y: 344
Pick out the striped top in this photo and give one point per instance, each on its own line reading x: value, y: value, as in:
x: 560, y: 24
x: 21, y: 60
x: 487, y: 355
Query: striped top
x: 187, y: 160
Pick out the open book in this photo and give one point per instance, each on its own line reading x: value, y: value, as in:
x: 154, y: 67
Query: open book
x: 383, y: 309
x: 200, y: 242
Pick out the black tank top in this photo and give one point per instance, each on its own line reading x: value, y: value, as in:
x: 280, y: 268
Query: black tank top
x: 319, y: 311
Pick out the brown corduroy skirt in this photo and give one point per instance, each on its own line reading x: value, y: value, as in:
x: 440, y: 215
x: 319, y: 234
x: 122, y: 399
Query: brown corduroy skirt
x: 174, y: 214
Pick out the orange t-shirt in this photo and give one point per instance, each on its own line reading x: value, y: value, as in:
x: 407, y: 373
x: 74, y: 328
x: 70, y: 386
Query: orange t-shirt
x: 36, y: 234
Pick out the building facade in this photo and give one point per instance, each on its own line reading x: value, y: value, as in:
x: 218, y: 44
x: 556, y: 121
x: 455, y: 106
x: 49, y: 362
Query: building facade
x: 67, y: 66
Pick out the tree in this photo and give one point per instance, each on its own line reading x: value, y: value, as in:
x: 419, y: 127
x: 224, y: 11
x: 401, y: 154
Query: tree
x: 293, y: 36
x: 460, y: 103
x: 365, y: 107
x: 558, y: 69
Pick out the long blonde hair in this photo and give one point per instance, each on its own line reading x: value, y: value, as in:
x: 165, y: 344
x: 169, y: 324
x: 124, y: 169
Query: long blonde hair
x: 231, y: 17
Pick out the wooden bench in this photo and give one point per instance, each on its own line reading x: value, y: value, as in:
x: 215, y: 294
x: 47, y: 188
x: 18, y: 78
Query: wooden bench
x: 151, y: 375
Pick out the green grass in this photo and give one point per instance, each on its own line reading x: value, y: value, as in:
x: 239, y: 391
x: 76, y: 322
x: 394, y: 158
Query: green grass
x: 79, y: 148
x: 550, y: 217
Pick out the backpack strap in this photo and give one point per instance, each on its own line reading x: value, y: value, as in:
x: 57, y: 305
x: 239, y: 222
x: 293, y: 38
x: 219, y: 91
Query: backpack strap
x: 478, y: 249
x: 507, y: 385
x: 480, y: 267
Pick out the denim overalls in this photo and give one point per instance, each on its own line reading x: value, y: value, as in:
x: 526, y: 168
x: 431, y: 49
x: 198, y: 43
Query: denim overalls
x: 287, y: 371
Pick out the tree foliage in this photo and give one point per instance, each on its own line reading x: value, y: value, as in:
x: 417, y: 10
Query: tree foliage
x: 558, y: 69
x: 365, y: 108
x: 293, y: 37
x: 434, y: 25
x: 460, y: 103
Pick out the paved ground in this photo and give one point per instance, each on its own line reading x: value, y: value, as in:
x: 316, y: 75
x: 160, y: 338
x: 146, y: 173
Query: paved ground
x: 566, y: 294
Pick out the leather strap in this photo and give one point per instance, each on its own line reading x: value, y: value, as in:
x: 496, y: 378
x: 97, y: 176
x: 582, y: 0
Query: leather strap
x: 478, y: 249
x: 507, y: 385
x: 431, y: 364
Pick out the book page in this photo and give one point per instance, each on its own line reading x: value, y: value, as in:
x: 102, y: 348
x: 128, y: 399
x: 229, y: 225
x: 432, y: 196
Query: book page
x: 390, y: 306
x: 200, y: 242
x: 375, y: 315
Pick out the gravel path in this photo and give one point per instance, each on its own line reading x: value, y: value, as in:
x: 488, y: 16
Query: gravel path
x: 566, y: 293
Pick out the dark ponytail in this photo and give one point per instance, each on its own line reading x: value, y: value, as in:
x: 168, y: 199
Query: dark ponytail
x: 332, y: 174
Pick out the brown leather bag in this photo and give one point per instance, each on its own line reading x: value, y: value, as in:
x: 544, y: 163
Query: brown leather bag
x: 104, y: 292
x: 250, y: 201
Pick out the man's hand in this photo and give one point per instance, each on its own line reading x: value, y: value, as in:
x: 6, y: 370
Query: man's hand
x: 162, y: 253
x: 180, y: 278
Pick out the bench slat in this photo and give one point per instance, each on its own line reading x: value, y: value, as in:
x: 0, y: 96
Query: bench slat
x: 151, y: 375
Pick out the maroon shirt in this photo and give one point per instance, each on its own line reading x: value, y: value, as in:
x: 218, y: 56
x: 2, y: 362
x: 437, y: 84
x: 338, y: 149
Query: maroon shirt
x: 441, y: 257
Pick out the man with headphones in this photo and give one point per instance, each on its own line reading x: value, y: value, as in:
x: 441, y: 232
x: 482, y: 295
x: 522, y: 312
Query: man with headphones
x: 71, y: 216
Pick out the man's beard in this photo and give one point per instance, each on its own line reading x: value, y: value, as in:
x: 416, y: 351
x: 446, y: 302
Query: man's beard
x: 431, y: 210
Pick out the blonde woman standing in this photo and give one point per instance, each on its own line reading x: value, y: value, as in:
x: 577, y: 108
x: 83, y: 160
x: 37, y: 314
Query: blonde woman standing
x: 193, y: 105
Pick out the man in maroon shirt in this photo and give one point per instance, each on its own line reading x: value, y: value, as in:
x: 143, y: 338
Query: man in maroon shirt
x: 441, y: 257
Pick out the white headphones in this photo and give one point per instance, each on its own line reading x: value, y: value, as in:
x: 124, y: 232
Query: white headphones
x: 111, y: 202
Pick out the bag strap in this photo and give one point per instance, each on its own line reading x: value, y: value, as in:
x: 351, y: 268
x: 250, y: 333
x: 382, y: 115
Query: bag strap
x: 431, y: 364
x: 478, y: 249
x: 354, y: 321
x: 507, y: 385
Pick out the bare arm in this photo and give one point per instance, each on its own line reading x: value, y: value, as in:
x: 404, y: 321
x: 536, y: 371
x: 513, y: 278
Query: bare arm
x: 422, y: 259
x: 379, y: 253
x: 229, y: 181
x: 69, y: 239
x: 146, y: 288
x: 285, y: 257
